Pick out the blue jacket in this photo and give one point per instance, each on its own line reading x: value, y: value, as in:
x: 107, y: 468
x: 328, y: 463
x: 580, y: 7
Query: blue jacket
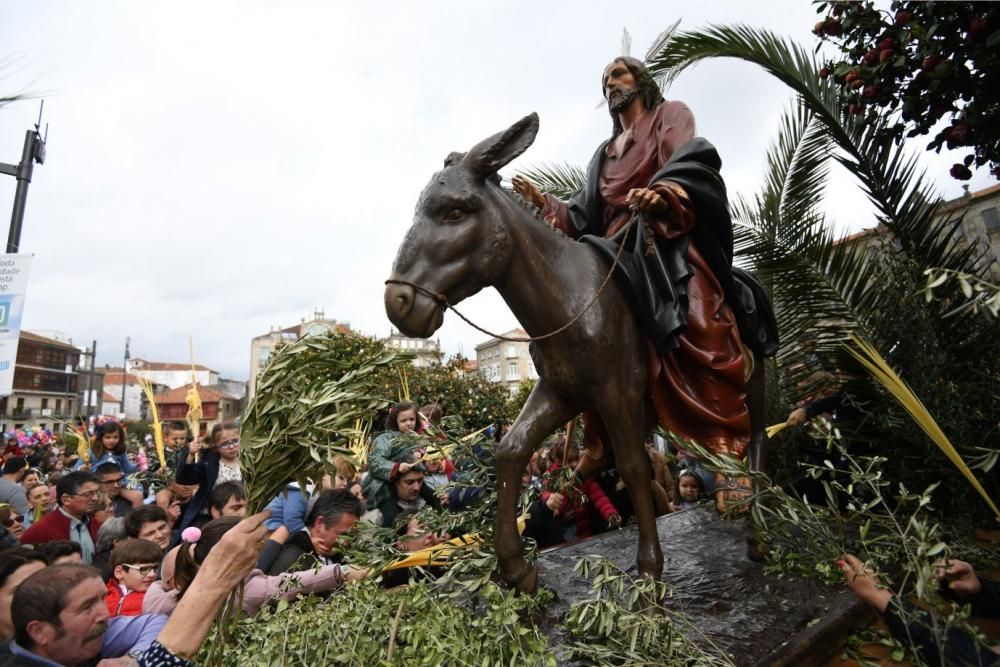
x: 288, y: 509
x: 127, y: 466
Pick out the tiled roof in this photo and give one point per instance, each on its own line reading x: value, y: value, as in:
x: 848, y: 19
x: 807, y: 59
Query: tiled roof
x: 143, y: 365
x: 179, y: 395
x: 117, y: 377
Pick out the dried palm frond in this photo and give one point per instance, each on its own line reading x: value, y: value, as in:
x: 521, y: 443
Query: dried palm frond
x: 82, y: 441
x: 193, y: 399
x: 404, y: 385
x: 866, y: 353
x: 147, y: 389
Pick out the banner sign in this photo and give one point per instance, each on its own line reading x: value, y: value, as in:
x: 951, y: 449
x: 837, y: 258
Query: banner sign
x: 13, y: 284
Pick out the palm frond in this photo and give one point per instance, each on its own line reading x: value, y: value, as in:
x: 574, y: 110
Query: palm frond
x: 866, y: 353
x: 559, y: 180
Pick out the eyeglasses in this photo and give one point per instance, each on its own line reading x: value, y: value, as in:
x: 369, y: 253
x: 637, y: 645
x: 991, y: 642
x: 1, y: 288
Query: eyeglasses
x: 88, y: 494
x: 230, y: 444
x: 16, y: 518
x: 113, y: 482
x: 144, y: 570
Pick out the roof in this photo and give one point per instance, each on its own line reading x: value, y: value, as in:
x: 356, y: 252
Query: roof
x: 112, y: 377
x: 945, y: 207
x: 493, y: 341
x: 108, y: 398
x: 35, y: 338
x: 143, y: 365
x: 470, y: 366
x: 965, y: 200
x: 179, y: 395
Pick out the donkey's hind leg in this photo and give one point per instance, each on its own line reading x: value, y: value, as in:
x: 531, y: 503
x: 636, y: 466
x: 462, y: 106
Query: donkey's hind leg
x: 625, y: 428
x: 542, y: 413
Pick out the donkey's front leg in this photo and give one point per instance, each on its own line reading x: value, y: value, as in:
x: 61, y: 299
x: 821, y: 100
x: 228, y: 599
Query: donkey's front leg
x: 541, y: 414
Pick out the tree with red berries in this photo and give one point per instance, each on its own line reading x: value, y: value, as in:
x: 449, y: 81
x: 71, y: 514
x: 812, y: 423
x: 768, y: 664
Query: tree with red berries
x: 922, y: 62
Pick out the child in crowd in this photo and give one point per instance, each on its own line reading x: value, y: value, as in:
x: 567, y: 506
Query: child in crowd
x: 575, y: 502
x: 438, y: 469
x: 135, y: 564
x: 382, y: 468
x: 110, y: 442
x: 689, y: 489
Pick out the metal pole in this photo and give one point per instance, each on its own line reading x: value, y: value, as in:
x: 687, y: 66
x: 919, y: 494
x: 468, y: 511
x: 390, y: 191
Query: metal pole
x: 23, y: 175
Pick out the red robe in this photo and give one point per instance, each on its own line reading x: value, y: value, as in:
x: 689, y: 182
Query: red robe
x: 698, y: 389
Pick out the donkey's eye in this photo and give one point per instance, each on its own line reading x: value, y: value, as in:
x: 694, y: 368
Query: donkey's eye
x: 454, y: 215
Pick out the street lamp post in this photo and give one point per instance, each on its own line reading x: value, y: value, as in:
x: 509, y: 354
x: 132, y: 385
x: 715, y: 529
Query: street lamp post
x: 33, y: 151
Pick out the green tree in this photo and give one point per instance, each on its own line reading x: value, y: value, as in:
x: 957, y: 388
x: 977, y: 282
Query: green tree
x: 516, y: 402
x: 470, y: 396
x: 927, y: 61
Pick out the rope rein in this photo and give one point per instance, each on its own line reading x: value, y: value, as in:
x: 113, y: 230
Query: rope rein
x: 443, y: 303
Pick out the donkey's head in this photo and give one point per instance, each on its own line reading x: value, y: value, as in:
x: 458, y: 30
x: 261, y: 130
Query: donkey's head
x: 459, y: 242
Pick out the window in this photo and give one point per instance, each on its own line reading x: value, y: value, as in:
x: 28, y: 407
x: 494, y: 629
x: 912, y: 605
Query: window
x: 511, y: 351
x: 263, y: 355
x: 512, y: 369
x: 45, y: 404
x: 20, y: 404
x: 58, y: 405
x: 991, y: 219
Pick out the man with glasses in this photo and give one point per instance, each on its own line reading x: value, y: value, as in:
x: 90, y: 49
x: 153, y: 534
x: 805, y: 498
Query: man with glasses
x: 76, y: 494
x: 111, y: 477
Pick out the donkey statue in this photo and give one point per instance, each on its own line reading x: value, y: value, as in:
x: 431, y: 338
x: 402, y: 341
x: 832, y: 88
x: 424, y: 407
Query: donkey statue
x: 469, y: 233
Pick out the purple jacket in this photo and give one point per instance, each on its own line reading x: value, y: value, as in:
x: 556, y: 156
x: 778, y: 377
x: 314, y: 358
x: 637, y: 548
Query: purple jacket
x: 258, y: 589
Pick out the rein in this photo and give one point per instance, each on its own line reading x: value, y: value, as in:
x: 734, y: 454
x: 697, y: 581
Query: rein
x: 442, y: 300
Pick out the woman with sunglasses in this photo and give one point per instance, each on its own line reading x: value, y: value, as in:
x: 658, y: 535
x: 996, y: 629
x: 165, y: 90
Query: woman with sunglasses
x: 208, y: 467
x: 11, y: 526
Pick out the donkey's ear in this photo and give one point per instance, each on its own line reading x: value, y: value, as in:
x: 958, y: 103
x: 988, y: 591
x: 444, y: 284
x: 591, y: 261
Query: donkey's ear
x: 487, y: 157
x: 453, y: 158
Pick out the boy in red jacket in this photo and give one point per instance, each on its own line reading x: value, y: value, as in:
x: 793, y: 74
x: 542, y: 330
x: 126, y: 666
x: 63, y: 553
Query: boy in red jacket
x: 136, y: 565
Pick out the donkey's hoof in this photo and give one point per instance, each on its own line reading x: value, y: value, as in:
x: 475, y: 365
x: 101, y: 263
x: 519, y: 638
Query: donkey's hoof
x: 528, y: 583
x: 524, y: 579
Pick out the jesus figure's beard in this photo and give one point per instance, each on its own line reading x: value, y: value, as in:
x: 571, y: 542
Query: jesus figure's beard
x: 625, y: 98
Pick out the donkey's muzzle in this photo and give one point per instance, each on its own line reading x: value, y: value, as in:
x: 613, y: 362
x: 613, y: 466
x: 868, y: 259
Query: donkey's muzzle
x: 413, y: 314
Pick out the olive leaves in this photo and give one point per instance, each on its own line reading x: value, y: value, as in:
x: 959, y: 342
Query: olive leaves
x: 315, y: 395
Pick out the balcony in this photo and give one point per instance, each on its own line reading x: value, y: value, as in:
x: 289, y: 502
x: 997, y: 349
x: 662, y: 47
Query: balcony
x: 38, y: 413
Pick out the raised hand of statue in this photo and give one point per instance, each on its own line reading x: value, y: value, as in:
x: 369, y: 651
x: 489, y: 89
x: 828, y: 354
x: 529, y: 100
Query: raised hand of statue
x: 528, y: 190
x: 644, y: 200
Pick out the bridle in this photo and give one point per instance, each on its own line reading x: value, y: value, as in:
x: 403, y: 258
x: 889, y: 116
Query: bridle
x: 442, y: 300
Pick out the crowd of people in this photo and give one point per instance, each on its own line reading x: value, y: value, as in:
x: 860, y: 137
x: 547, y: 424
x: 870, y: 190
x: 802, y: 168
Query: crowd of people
x: 98, y: 555
x: 70, y: 518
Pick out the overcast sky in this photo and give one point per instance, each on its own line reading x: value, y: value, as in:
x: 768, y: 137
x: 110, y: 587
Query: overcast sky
x: 215, y: 168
